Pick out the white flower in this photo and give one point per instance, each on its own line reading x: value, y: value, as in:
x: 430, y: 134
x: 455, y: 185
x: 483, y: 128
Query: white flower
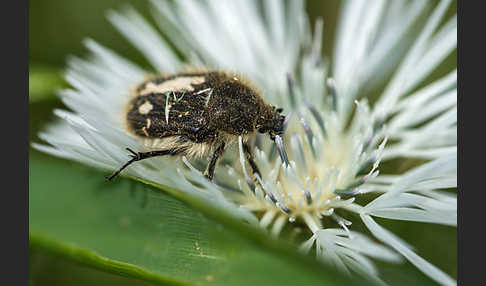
x: 331, y: 162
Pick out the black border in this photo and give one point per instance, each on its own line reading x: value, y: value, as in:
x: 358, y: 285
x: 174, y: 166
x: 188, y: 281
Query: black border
x: 470, y: 194
x: 14, y: 209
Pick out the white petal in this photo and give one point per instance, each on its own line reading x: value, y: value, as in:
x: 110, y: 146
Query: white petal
x: 390, y: 239
x: 395, y: 89
x: 146, y: 39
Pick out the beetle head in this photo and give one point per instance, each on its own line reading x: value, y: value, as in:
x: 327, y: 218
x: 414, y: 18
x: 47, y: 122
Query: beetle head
x: 273, y: 123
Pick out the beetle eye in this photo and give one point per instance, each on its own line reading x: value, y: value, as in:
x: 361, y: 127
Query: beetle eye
x: 263, y: 130
x: 279, y: 110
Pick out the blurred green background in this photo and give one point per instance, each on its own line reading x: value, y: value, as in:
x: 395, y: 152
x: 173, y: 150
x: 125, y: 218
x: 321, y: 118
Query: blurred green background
x: 56, y: 30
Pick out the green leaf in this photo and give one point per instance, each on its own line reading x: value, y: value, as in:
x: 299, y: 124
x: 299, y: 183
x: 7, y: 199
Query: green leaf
x: 133, y: 229
x: 43, y: 83
x: 53, y: 270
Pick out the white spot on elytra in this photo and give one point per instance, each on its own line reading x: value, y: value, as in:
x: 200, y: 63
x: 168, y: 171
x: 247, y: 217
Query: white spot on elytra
x: 145, y: 108
x: 144, y: 129
x: 177, y: 84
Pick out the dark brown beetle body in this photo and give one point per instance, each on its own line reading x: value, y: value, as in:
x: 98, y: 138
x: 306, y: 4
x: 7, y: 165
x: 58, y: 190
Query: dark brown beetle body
x: 197, y: 113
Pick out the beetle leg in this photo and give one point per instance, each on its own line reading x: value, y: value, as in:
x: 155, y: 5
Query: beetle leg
x: 251, y: 161
x: 137, y: 156
x: 209, y: 173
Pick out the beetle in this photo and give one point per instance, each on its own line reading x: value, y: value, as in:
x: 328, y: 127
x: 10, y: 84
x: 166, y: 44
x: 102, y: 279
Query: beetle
x: 196, y: 113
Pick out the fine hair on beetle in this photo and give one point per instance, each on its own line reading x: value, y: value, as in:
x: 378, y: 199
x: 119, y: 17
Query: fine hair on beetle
x: 200, y: 113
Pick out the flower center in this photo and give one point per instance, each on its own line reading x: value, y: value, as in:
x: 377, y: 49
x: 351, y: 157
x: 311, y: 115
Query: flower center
x: 327, y: 163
